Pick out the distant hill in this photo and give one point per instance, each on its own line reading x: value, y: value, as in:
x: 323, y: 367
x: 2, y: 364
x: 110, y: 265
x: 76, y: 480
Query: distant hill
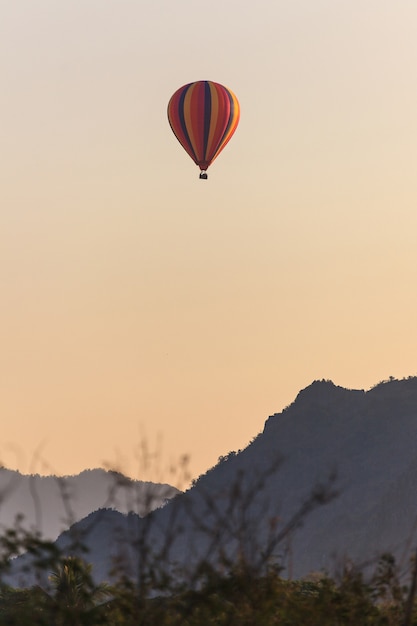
x: 276, y: 500
x: 50, y: 504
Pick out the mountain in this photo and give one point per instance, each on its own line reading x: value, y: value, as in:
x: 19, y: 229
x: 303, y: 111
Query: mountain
x: 50, y: 504
x: 332, y: 477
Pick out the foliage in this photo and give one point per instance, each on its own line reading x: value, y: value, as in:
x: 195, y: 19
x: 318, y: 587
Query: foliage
x: 238, y: 598
x: 247, y: 590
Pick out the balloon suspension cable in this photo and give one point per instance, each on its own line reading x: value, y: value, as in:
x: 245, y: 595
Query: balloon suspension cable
x: 203, y: 175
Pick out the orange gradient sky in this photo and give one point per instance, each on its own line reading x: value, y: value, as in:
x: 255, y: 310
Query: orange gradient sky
x: 140, y: 302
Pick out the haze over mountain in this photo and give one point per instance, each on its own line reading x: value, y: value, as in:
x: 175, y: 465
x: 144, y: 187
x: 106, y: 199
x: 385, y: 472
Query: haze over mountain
x: 276, y: 500
x: 50, y: 504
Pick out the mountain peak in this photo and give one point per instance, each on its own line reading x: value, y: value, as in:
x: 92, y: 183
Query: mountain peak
x: 321, y: 396
x: 322, y: 393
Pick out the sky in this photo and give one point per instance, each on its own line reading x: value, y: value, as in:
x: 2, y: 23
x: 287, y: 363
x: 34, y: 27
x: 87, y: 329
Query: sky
x: 145, y: 309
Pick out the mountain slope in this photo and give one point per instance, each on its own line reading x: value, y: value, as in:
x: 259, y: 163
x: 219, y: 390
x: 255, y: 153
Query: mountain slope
x: 273, y: 501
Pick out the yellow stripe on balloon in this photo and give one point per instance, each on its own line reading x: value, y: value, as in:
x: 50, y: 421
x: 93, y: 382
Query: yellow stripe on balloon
x: 233, y: 124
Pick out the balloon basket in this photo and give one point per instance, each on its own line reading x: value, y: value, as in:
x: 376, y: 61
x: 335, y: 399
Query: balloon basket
x: 203, y: 176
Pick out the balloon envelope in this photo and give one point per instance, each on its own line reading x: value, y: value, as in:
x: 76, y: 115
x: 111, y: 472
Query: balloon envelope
x: 203, y: 116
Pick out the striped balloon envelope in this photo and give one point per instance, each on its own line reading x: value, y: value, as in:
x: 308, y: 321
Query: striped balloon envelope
x: 203, y: 117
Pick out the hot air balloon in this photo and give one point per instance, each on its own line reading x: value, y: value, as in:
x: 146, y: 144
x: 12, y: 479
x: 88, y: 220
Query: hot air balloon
x: 203, y: 117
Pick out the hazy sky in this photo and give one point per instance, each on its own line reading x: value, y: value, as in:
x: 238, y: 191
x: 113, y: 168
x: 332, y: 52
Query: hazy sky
x: 140, y: 302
